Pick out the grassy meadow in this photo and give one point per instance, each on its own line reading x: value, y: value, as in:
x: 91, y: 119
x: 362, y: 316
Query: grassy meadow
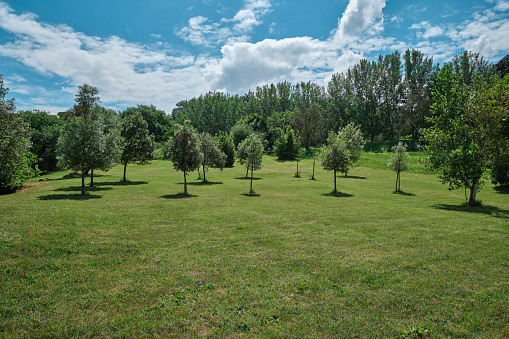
x: 138, y: 259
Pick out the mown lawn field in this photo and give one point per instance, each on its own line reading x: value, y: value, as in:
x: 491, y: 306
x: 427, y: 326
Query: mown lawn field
x: 138, y: 259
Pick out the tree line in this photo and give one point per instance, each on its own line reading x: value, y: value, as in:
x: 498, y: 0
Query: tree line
x: 386, y: 99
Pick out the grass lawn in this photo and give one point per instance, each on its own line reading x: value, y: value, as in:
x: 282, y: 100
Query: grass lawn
x: 137, y: 259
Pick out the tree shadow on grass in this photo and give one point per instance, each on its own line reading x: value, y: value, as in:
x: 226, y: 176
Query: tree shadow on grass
x: 404, y: 193
x: 488, y: 210
x: 337, y: 195
x: 248, y: 178
x: 78, y: 197
x: 504, y: 189
x: 78, y: 188
x: 121, y: 183
x: 78, y: 176
x: 252, y: 195
x: 351, y: 177
x: 202, y: 183
x: 178, y: 196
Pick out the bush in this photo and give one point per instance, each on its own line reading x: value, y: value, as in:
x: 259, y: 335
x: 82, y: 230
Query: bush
x: 226, y: 145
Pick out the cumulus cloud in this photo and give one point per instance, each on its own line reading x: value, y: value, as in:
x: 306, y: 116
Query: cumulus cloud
x: 129, y: 74
x: 124, y: 72
x: 358, y: 16
x: 201, y: 31
x: 426, y: 30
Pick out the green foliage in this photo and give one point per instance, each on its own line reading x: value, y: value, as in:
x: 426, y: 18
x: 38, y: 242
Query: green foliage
x: 137, y: 143
x: 240, y: 131
x: 185, y: 150
x: 286, y: 147
x: 250, y: 154
x: 399, y: 162
x: 16, y: 161
x: 334, y: 156
x: 353, y: 142
x: 500, y: 169
x: 468, y: 129
x: 226, y: 145
x: 111, y: 151
x: 307, y: 122
x: 211, y: 155
x: 90, y: 137
x: 278, y: 123
x: 158, y: 123
x: 45, y: 132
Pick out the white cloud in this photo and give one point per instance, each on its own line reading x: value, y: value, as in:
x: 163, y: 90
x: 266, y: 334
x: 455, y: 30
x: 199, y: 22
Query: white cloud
x: 502, y: 6
x: 201, y: 31
x: 358, y: 16
x: 426, y: 30
x: 125, y: 73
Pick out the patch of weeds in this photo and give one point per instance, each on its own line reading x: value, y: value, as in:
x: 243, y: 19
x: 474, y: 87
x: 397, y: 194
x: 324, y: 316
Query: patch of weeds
x: 177, y: 299
x: 416, y: 332
x: 243, y: 328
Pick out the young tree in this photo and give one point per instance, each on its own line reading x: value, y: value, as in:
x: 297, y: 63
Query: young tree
x: 352, y: 140
x: 467, y: 129
x: 398, y: 162
x: 212, y: 156
x: 78, y: 145
x: 109, y: 154
x: 185, y: 150
x: 253, y: 148
x: 334, y: 156
x: 16, y: 160
x: 138, y: 144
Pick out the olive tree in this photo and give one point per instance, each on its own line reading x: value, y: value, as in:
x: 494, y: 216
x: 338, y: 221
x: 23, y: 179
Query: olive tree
x: 212, y: 156
x: 252, y: 149
x: 334, y: 156
x: 185, y: 150
x: 353, y: 141
x: 398, y: 162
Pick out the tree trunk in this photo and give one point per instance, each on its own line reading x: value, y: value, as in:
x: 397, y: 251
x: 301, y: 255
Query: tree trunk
x: 473, y: 192
x: 82, y: 181
x: 185, y: 183
x: 251, y: 186
x: 247, y: 171
x: 125, y: 169
x: 314, y: 161
x: 335, y: 190
x: 204, y: 179
x: 397, y: 180
x: 92, y: 177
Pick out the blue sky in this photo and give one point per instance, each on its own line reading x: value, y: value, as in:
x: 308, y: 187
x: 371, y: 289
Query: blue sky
x: 162, y: 51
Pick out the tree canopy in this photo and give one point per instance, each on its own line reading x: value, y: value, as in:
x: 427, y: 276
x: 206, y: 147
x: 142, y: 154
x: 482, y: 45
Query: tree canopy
x: 185, y: 150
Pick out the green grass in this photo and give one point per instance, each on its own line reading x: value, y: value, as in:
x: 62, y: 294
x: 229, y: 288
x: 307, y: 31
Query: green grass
x: 141, y: 260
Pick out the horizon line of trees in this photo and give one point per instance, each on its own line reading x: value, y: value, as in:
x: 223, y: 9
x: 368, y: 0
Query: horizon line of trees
x: 386, y: 99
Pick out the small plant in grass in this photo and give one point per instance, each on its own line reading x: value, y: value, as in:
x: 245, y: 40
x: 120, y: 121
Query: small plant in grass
x: 297, y: 172
x: 416, y: 332
x: 399, y: 162
x: 312, y: 174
